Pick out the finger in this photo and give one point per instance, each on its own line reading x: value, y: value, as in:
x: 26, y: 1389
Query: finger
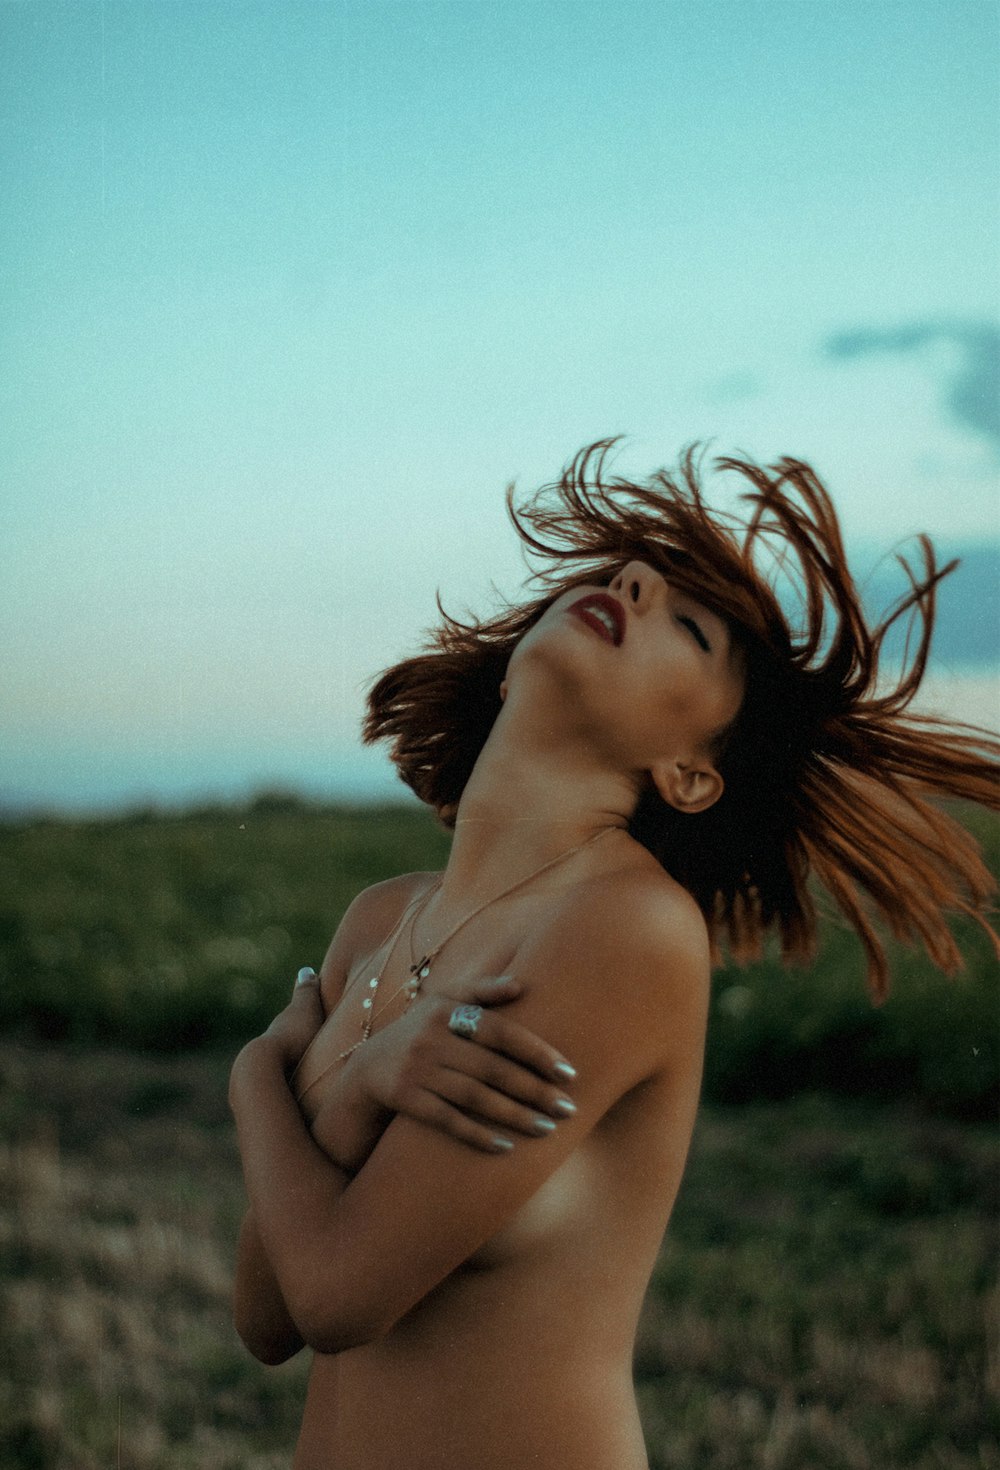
x: 435, y: 1112
x: 509, y: 1038
x: 498, y: 1074
x: 306, y: 994
x: 491, y: 1106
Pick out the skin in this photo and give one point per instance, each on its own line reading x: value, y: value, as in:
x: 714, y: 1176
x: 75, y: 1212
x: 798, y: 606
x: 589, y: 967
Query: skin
x: 468, y: 1303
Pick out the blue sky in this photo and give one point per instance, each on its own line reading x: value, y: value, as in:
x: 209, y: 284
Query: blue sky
x: 291, y: 291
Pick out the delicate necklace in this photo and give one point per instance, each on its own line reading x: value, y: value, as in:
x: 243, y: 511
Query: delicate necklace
x: 391, y: 939
x: 420, y: 969
x: 410, y: 986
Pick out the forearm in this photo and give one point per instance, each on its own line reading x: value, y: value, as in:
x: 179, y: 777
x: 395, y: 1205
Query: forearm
x: 348, y: 1123
x: 292, y: 1185
x: 259, y: 1311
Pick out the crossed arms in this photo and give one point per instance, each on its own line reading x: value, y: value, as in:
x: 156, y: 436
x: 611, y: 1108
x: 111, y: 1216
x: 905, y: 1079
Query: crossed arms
x: 334, y: 1258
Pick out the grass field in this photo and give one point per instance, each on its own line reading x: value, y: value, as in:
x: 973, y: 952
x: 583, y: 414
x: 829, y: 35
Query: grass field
x: 826, y: 1297
x: 174, y: 932
x: 823, y: 1300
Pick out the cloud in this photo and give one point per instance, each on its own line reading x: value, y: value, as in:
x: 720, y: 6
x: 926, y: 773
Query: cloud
x: 967, y: 626
x: 972, y: 388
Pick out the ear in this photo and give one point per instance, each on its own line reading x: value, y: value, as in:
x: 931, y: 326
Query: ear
x: 690, y: 788
x: 503, y: 690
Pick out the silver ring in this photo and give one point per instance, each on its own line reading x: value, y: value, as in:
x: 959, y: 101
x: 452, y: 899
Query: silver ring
x: 464, y: 1021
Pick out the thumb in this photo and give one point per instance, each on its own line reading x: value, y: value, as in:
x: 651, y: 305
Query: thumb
x: 307, y: 992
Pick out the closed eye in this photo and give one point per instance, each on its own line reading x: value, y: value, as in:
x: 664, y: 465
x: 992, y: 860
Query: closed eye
x: 696, y: 632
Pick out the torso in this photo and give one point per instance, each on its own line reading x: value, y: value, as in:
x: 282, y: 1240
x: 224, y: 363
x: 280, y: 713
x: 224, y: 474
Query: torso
x: 522, y: 1357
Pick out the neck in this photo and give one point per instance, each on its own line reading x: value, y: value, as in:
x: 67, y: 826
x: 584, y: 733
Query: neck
x: 523, y: 806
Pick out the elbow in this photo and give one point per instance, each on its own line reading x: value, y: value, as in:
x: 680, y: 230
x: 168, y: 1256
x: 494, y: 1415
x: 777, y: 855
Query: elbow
x: 268, y: 1344
x: 269, y: 1352
x: 329, y: 1326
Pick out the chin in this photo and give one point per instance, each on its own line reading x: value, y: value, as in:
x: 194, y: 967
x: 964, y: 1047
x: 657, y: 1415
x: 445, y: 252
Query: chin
x: 557, y: 654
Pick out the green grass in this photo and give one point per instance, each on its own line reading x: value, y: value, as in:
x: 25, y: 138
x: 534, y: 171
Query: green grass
x: 829, y: 1277
x: 825, y: 1299
x: 175, y: 932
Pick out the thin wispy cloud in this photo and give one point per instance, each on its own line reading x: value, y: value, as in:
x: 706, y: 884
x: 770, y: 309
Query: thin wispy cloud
x: 972, y: 388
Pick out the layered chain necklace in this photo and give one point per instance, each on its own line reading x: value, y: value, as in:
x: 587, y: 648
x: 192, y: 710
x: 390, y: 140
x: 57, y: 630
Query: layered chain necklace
x: 421, y: 968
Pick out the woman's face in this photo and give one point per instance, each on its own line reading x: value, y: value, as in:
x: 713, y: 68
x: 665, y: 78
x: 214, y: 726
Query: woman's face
x: 652, y: 673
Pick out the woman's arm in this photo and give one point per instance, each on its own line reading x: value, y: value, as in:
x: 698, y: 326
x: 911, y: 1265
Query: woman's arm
x: 415, y: 1067
x: 259, y: 1312
x: 515, y: 1082
x: 625, y: 999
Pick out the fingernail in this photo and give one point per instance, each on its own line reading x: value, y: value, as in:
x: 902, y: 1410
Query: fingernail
x: 306, y: 974
x: 565, y: 1070
x: 544, y: 1125
x: 502, y: 1145
x: 565, y: 1106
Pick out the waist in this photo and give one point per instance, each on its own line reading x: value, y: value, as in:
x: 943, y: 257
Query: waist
x: 477, y: 1408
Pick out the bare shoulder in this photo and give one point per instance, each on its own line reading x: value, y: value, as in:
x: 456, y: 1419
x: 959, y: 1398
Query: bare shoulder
x: 369, y: 918
x: 644, y: 923
x: 627, y: 959
x: 659, y: 911
x: 384, y: 902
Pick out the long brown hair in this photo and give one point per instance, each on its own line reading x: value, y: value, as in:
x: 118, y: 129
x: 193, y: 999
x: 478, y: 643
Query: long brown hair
x: 827, y: 770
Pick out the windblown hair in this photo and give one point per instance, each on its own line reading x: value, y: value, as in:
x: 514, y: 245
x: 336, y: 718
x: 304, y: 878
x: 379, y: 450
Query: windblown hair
x: 826, y: 771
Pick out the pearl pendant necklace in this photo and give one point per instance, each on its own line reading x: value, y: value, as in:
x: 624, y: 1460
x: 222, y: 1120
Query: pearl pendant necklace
x: 420, y: 969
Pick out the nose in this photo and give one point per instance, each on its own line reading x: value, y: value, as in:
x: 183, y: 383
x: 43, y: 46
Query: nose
x: 637, y: 583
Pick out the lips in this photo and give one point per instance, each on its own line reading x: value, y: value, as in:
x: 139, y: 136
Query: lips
x: 603, y: 613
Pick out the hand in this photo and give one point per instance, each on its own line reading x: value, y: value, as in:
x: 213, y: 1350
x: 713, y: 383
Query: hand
x: 293, y: 1028
x: 506, y: 1078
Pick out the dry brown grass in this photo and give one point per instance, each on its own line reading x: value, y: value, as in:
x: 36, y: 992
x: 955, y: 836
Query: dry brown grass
x: 121, y: 1196
x: 823, y: 1301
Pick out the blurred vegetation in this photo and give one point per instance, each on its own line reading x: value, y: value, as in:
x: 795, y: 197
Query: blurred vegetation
x: 824, y: 1297
x: 172, y: 932
x: 177, y: 931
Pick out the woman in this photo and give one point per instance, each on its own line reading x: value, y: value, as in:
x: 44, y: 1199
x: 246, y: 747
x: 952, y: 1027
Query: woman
x: 459, y: 1216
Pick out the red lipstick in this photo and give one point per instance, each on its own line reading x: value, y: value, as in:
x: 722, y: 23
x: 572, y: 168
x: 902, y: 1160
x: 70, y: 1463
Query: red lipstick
x: 603, y: 613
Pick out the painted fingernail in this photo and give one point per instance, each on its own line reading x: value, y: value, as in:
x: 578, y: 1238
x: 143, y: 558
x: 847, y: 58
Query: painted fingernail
x: 502, y: 1145
x: 564, y: 1106
x: 565, y: 1070
x: 306, y: 974
x: 545, y: 1125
